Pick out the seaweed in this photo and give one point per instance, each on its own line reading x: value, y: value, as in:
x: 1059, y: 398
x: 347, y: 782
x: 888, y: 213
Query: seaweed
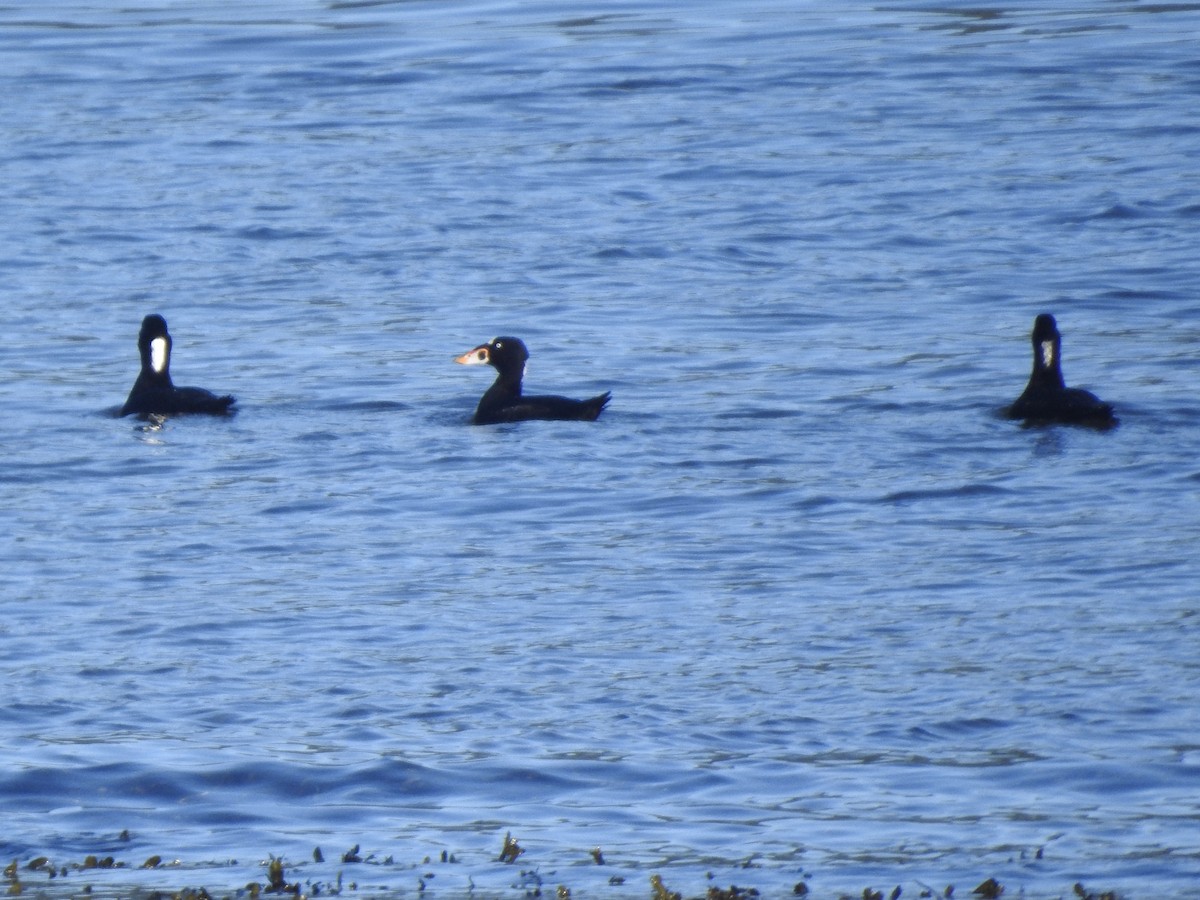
x: 511, y: 849
x: 660, y: 891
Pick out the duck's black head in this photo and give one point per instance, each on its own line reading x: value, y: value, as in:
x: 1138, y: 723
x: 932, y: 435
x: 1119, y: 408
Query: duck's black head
x: 154, y: 344
x: 507, y: 355
x: 1047, y: 347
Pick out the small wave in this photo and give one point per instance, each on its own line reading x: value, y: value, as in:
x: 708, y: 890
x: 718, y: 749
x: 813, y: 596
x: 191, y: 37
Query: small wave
x: 1120, y: 211
x: 967, y: 490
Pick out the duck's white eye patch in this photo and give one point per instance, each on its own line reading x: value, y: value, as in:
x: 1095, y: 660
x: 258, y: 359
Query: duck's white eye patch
x: 1047, y: 353
x: 158, y: 354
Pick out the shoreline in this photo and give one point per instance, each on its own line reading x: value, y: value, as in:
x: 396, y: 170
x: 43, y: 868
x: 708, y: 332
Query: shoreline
x: 445, y: 876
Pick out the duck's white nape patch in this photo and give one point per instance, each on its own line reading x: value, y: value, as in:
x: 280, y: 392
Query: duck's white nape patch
x: 158, y: 354
x: 1047, y: 353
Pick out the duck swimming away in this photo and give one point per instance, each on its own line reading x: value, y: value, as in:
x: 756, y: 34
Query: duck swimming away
x: 1047, y: 398
x: 504, y: 402
x: 153, y: 393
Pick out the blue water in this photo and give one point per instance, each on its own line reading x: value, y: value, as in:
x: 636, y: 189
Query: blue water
x: 801, y: 605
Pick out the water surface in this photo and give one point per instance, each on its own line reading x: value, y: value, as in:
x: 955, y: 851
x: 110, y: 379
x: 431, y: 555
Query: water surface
x: 801, y: 605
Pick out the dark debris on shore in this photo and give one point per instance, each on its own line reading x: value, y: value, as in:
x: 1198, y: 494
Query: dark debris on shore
x: 95, y: 877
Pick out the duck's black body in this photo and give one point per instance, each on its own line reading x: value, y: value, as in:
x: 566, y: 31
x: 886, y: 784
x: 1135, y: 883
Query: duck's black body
x: 504, y: 402
x: 153, y: 394
x: 1046, y: 397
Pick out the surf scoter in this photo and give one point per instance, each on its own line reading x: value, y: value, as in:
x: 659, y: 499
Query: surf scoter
x: 504, y: 402
x: 153, y: 393
x: 1047, y: 398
